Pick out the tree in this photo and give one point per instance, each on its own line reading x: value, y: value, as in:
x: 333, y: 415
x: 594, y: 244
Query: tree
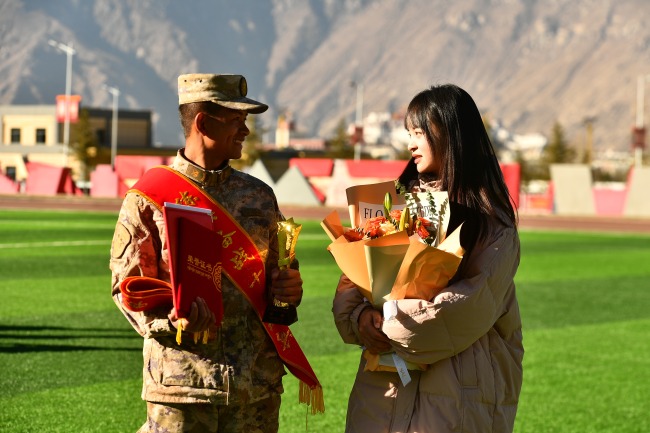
x: 84, y: 145
x: 339, y: 145
x: 557, y: 151
x: 251, y: 150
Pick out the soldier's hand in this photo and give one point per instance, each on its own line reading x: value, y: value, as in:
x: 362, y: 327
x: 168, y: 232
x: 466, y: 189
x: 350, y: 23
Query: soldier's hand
x: 286, y: 286
x: 199, y: 319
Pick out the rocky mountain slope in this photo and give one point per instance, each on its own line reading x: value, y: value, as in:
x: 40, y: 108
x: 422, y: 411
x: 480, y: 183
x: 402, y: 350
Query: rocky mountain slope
x: 528, y: 63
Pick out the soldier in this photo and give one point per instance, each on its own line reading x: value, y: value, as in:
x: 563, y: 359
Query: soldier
x: 233, y: 382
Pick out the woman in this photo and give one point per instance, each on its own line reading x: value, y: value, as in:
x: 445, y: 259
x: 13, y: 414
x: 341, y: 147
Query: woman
x: 469, y: 334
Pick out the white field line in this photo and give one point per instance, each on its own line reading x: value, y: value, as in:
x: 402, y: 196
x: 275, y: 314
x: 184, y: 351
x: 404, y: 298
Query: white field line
x: 67, y: 224
x: 54, y: 244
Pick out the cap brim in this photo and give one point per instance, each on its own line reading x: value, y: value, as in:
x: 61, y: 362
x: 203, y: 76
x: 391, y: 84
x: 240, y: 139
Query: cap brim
x: 243, y: 104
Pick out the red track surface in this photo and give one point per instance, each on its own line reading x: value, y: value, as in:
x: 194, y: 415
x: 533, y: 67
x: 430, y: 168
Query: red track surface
x: 526, y: 221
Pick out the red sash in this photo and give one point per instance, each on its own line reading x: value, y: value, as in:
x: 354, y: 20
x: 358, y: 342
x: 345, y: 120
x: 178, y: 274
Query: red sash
x: 241, y: 264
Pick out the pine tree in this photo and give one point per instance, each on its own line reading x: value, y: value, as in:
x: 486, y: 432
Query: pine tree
x: 84, y: 145
x: 251, y: 150
x: 557, y: 151
x: 339, y: 145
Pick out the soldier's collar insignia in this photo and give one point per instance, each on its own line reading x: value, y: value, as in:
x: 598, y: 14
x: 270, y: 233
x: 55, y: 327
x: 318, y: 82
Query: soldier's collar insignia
x: 200, y: 175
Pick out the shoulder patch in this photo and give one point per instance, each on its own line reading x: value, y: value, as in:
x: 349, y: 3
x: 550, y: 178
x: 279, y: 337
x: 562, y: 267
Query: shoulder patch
x: 121, y: 240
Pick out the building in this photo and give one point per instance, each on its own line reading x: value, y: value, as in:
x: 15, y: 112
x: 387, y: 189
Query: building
x: 32, y: 133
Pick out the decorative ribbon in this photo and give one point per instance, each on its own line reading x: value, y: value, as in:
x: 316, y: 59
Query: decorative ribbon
x: 242, y: 265
x: 146, y: 293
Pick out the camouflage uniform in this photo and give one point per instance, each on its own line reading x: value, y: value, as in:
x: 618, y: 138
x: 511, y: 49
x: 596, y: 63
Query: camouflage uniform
x: 208, y: 418
x: 238, y: 367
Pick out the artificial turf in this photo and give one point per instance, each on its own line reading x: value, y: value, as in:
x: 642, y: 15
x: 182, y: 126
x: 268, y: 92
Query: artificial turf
x: 70, y: 362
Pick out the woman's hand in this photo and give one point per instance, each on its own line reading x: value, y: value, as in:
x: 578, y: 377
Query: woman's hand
x: 286, y: 286
x: 370, y: 333
x: 199, y: 319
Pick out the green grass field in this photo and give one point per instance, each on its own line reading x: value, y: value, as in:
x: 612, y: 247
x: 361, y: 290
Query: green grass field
x: 69, y: 361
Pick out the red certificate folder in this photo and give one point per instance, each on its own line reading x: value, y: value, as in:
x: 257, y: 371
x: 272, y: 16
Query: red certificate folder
x: 194, y: 258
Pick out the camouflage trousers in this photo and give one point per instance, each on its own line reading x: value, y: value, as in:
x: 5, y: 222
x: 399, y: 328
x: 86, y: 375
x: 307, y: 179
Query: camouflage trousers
x: 259, y: 417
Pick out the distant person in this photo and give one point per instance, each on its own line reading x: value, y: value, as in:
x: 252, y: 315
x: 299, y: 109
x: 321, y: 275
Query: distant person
x: 469, y: 335
x: 233, y: 382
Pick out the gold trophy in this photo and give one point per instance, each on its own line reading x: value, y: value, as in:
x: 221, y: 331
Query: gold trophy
x: 279, y: 312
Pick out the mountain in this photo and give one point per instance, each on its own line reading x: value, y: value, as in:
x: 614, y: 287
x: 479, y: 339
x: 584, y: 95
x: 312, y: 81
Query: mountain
x: 527, y: 63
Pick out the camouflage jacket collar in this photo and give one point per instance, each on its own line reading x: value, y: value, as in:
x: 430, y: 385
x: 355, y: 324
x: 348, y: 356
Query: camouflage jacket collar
x: 198, y: 174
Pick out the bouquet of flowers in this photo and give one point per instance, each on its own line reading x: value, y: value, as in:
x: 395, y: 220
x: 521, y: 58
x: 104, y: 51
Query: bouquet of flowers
x: 396, y: 252
x: 397, y: 248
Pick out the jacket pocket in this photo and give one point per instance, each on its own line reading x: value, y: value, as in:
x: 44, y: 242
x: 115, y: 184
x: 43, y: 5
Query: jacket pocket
x: 171, y: 367
x: 476, y: 413
x: 467, y: 368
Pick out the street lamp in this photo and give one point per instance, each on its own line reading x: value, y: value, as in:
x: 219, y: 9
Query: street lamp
x: 358, y: 123
x: 116, y: 93
x: 69, y: 51
x: 588, y: 122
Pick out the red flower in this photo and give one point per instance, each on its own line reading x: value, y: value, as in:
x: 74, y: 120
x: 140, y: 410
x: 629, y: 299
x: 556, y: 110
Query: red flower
x: 380, y: 226
x: 396, y: 214
x: 421, y: 227
x: 353, y: 235
x: 372, y: 228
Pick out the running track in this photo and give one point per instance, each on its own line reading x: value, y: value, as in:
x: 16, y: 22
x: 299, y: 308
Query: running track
x: 526, y: 221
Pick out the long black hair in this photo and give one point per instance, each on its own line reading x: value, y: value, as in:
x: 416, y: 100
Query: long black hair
x: 469, y: 169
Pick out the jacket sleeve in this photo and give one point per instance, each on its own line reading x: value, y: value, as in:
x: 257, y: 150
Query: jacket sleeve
x: 348, y: 304
x: 428, y: 331
x: 138, y: 249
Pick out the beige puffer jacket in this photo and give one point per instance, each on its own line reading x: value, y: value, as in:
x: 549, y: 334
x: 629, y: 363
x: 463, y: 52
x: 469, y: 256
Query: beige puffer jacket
x: 470, y: 337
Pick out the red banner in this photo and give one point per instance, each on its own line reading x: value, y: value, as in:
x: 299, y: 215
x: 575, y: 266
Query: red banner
x: 69, y: 104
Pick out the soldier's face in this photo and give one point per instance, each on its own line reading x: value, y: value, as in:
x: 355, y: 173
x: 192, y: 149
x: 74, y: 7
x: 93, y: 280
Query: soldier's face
x: 227, y: 128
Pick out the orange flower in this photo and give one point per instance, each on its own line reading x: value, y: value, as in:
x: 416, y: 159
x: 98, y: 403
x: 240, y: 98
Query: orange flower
x: 396, y: 214
x: 381, y: 226
x: 377, y: 227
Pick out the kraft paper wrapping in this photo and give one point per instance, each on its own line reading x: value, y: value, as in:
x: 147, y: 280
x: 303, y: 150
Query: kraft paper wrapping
x: 394, y: 266
x: 428, y: 269
x: 384, y: 263
x: 362, y: 197
x: 371, y: 264
x: 367, y: 201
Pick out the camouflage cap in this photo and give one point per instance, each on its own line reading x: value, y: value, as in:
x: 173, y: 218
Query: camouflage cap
x: 226, y: 90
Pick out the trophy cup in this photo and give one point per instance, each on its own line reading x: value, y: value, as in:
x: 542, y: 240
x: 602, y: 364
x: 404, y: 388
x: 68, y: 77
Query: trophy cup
x: 279, y: 312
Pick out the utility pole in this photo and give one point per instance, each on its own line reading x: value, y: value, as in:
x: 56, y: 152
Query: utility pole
x: 116, y: 94
x: 638, y: 134
x: 589, y: 139
x: 69, y: 51
x: 358, y: 123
